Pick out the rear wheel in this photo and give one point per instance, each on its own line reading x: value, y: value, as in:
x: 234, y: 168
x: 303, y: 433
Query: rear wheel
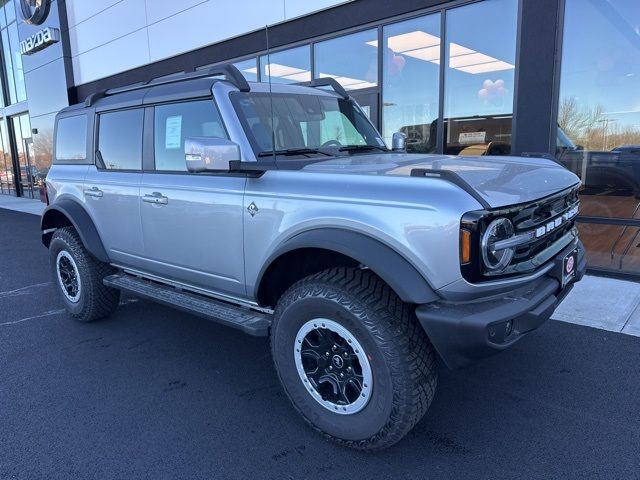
x: 78, y: 278
x: 352, y: 358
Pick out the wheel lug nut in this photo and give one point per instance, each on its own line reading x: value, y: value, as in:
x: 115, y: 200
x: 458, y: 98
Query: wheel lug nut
x: 346, y: 355
x: 327, y: 354
x: 334, y: 348
x: 341, y: 374
x: 330, y: 367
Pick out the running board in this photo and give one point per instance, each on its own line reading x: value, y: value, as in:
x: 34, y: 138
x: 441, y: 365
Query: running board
x: 253, y: 323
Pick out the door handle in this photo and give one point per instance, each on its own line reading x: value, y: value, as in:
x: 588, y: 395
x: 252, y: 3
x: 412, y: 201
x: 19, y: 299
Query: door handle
x: 156, y: 198
x: 93, y: 192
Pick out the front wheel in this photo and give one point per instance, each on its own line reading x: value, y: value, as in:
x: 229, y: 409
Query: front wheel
x: 78, y: 278
x: 352, y: 358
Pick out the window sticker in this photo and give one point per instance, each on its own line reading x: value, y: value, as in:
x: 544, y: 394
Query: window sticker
x: 173, y: 132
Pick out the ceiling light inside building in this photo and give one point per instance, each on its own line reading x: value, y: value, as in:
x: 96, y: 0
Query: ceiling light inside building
x: 348, y: 82
x: 426, y: 47
x: 409, y: 41
x: 283, y: 71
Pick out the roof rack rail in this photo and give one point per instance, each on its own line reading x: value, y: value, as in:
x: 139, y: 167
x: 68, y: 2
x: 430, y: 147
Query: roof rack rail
x: 326, y: 82
x: 231, y: 73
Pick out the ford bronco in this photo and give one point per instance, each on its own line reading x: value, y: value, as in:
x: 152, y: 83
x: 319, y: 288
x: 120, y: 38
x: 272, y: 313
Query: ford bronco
x: 280, y: 210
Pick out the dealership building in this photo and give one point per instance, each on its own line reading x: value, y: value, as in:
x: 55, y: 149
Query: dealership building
x: 554, y: 78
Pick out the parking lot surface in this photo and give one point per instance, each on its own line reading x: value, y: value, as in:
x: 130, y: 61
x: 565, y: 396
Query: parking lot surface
x: 154, y: 393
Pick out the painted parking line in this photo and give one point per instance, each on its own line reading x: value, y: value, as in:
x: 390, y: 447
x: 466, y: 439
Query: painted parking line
x: 50, y: 313
x: 23, y: 290
x: 34, y: 317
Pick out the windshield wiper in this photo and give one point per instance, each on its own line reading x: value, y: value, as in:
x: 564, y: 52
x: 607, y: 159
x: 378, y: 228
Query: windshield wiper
x: 294, y: 151
x: 355, y: 148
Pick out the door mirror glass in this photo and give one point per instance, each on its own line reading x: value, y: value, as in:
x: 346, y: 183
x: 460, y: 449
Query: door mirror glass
x: 398, y: 142
x: 210, y: 154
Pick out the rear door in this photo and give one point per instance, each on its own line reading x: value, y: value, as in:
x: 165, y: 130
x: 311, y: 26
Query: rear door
x: 192, y: 223
x: 112, y: 186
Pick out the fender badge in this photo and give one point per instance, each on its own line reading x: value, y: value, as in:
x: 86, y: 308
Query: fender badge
x: 253, y: 209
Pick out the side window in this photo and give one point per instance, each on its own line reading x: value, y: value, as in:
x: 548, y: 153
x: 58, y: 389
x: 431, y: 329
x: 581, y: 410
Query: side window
x: 120, y: 139
x: 177, y: 121
x: 71, y: 140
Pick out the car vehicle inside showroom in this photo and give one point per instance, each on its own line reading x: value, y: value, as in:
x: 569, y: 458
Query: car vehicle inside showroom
x: 553, y: 78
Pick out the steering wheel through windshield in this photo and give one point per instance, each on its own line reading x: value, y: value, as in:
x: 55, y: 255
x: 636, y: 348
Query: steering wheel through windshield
x: 331, y: 143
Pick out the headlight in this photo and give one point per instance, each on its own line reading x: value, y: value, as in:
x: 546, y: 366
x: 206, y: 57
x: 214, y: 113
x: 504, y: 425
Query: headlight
x: 497, y: 259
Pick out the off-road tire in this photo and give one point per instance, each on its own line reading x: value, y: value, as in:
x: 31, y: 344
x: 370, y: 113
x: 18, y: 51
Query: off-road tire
x: 96, y: 300
x: 402, y: 359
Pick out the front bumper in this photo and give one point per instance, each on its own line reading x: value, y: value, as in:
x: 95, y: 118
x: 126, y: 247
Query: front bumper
x: 464, y: 332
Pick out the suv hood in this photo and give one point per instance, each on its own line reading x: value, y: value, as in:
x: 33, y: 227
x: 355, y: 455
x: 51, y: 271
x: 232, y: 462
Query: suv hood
x: 500, y: 181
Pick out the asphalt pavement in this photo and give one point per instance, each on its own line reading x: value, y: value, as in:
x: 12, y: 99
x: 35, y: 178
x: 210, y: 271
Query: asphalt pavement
x: 154, y: 393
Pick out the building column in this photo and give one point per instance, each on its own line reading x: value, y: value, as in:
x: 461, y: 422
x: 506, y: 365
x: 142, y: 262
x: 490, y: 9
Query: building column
x: 534, y: 126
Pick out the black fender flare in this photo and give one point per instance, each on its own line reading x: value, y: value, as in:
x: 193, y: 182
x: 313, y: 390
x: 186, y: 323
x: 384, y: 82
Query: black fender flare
x: 80, y: 220
x: 388, y: 264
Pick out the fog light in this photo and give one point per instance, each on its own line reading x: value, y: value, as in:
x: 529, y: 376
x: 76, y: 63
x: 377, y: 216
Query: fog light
x: 508, y: 329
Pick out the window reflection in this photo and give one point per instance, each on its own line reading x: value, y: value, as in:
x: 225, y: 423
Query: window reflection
x: 611, y: 247
x: 352, y: 60
x: 248, y: 68
x: 287, y: 66
x: 479, y: 78
x: 599, y: 122
x: 410, y: 65
x: 13, y: 63
x: 29, y: 176
x: 6, y: 166
x: 18, y: 71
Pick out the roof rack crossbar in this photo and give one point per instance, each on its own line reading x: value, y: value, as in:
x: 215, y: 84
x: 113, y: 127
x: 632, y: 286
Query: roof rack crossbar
x: 230, y: 72
x: 326, y: 82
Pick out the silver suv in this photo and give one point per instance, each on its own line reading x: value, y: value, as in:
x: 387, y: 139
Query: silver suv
x: 280, y: 210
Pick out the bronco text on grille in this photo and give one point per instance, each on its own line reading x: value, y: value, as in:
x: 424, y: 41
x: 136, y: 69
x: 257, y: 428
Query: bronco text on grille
x: 540, y: 230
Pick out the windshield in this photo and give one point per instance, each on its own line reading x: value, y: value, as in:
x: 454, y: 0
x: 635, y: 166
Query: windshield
x: 304, y: 124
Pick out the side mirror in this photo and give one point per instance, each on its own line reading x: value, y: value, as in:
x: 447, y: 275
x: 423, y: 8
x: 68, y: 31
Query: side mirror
x: 399, y: 142
x: 210, y: 154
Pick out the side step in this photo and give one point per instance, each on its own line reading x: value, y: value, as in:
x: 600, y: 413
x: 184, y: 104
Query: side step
x: 253, y: 323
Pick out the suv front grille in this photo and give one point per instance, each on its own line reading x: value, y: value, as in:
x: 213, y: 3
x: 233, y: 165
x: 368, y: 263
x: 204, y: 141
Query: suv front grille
x: 538, y: 215
x: 546, y: 226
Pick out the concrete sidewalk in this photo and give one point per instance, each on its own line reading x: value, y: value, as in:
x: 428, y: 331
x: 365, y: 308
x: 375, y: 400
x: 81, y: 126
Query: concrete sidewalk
x: 604, y: 303
x: 26, y: 205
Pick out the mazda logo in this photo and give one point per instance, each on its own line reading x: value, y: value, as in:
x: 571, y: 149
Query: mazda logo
x: 35, y: 11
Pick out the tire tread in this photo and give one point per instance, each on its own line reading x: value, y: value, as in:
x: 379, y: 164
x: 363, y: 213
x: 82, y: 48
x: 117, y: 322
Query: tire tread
x: 408, y: 352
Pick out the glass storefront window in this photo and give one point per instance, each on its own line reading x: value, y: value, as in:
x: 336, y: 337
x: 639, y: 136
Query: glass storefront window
x: 287, y: 66
x: 29, y: 176
x: 3, y: 18
x: 18, y: 72
x: 611, y: 247
x: 410, y: 87
x: 13, y: 64
x: 352, y: 60
x: 599, y: 104
x: 479, y: 77
x: 248, y: 68
x: 8, y: 66
x: 599, y: 123
x: 6, y: 165
x: 10, y: 10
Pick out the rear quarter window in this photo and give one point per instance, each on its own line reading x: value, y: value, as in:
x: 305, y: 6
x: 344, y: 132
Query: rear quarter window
x: 71, y: 140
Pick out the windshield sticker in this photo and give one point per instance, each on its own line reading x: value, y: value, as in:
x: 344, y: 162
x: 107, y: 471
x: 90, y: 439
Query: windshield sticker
x: 173, y: 132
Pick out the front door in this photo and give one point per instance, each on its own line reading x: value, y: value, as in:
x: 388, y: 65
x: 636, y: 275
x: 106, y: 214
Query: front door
x: 192, y: 223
